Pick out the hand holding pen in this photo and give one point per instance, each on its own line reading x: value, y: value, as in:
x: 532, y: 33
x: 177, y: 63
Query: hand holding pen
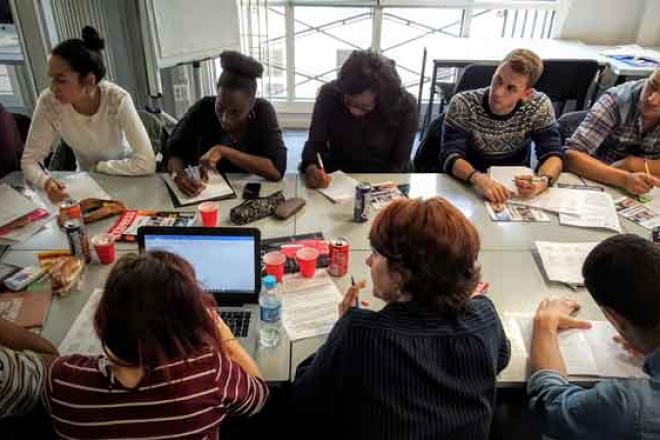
x: 56, y: 191
x: 351, y: 299
x: 315, y: 175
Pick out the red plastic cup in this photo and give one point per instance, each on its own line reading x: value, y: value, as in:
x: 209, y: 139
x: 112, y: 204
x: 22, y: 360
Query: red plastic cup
x: 274, y: 262
x: 104, y: 245
x: 209, y: 212
x: 307, y: 257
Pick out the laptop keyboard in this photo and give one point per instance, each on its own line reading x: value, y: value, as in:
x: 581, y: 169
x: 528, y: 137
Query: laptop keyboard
x: 238, y: 322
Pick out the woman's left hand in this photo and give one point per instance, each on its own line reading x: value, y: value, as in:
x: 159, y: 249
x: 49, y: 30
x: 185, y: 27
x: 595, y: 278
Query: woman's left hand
x: 351, y: 297
x: 209, y: 161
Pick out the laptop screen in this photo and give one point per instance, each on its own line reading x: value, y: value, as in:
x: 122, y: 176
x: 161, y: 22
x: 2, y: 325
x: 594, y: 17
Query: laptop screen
x: 222, y: 263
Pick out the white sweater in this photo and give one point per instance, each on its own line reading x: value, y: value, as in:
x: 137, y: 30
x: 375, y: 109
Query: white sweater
x: 98, y: 141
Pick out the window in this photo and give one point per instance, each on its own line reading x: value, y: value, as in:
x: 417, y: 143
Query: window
x: 303, y: 43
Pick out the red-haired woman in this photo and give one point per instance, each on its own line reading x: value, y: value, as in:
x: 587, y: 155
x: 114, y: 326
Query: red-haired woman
x: 171, y: 369
x: 425, y: 365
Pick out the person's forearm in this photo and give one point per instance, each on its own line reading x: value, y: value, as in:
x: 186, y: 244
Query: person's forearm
x: 462, y: 169
x: 18, y: 338
x: 238, y: 354
x: 636, y: 164
x: 545, y: 353
x: 252, y: 163
x: 586, y: 166
x: 552, y: 167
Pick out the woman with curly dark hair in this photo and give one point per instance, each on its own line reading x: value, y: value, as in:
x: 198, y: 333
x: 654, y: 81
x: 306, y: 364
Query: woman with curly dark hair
x: 425, y: 365
x: 233, y: 131
x: 364, y: 121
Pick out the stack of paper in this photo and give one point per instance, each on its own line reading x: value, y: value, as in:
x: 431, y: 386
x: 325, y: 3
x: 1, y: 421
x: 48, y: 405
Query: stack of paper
x: 557, y: 200
x: 563, y: 262
x: 597, y: 211
x: 82, y: 186
x: 216, y: 188
x: 341, y: 189
x: 507, y: 175
x: 309, y: 305
x: 591, y: 352
x: 22, y: 217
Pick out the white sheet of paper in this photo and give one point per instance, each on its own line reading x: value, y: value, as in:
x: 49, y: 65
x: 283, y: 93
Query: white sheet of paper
x: 557, y: 200
x: 589, y: 352
x: 81, y: 337
x: 341, y: 189
x: 216, y: 187
x: 654, y: 204
x: 27, y: 231
x: 506, y: 175
x: 14, y: 204
x: 309, y: 305
x: 563, y: 261
x: 597, y: 212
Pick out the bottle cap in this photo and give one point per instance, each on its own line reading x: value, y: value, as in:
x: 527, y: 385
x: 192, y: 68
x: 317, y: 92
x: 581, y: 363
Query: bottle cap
x: 269, y: 281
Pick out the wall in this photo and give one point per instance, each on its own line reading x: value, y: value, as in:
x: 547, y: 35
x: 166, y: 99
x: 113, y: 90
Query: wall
x: 649, y: 29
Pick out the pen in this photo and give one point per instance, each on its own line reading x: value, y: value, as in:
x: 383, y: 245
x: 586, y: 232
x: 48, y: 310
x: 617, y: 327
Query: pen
x: 190, y: 173
x: 646, y: 167
x: 318, y: 157
x: 45, y: 170
x: 533, y: 179
x: 357, y: 303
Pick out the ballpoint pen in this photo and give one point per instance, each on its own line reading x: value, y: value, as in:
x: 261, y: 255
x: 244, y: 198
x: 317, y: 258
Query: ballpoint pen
x: 357, y: 302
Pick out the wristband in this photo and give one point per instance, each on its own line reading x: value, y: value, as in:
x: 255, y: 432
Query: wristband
x: 469, y: 177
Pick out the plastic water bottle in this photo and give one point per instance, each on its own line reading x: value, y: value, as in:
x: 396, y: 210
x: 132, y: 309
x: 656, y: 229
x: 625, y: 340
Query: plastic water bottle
x: 270, y: 307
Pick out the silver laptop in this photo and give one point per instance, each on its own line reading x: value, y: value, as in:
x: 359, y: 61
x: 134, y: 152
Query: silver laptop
x: 227, y: 262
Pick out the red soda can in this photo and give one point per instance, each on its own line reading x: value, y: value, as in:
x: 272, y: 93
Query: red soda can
x: 339, y: 253
x: 70, y: 210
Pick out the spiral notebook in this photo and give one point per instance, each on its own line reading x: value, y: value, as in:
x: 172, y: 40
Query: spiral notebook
x: 217, y: 188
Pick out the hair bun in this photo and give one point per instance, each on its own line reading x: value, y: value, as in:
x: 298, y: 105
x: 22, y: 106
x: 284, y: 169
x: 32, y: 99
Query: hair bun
x: 240, y: 64
x: 91, y: 39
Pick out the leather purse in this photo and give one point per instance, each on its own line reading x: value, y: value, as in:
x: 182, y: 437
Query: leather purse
x: 256, y: 209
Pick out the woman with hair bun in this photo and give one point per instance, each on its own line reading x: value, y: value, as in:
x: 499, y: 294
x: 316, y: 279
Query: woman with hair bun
x: 233, y: 131
x: 363, y: 122
x: 96, y: 118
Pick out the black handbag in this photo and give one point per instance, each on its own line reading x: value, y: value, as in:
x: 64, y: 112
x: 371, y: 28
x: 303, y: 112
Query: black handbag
x: 255, y: 209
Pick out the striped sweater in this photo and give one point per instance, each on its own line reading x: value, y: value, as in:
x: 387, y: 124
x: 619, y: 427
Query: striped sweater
x: 21, y: 377
x: 405, y: 373
x: 185, y: 399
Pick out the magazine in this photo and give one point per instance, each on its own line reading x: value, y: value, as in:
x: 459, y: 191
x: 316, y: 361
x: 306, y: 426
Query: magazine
x: 516, y: 213
x: 126, y: 227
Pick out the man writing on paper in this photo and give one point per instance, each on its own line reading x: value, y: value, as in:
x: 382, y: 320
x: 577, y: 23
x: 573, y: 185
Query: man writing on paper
x: 618, y: 143
x: 621, y: 274
x: 494, y: 126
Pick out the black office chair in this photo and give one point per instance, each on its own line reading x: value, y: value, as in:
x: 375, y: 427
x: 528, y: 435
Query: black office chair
x: 22, y: 124
x: 568, y: 123
x: 566, y: 80
x: 474, y: 76
x: 427, y: 156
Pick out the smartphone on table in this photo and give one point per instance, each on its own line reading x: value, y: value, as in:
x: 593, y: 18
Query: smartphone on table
x: 251, y: 190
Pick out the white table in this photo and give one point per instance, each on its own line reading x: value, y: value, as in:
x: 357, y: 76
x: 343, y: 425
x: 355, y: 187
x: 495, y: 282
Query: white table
x: 507, y: 258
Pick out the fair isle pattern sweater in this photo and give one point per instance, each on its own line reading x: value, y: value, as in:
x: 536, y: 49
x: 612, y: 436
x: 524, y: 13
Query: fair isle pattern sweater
x: 474, y: 133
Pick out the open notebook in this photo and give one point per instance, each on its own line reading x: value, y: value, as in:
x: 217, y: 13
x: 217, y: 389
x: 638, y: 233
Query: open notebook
x: 217, y: 188
x: 341, y: 188
x: 591, y: 353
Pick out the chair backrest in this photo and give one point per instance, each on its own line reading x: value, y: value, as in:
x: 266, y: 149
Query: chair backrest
x: 427, y: 156
x: 475, y: 76
x: 569, y: 122
x: 23, y: 124
x: 567, y: 80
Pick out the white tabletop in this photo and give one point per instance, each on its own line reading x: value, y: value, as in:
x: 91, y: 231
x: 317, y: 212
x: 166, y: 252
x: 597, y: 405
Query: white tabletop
x: 507, y: 258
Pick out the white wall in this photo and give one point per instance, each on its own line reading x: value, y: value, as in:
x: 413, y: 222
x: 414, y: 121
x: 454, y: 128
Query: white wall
x: 649, y: 28
x: 601, y: 21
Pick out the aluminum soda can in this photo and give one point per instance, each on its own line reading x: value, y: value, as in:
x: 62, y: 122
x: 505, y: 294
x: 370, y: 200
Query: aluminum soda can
x: 361, y: 208
x: 339, y: 253
x: 70, y: 209
x: 655, y: 235
x: 77, y: 238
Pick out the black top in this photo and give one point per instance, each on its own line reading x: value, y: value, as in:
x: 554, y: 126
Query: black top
x: 370, y: 144
x: 200, y: 129
x: 405, y: 373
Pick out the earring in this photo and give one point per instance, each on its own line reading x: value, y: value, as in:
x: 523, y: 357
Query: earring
x: 251, y: 115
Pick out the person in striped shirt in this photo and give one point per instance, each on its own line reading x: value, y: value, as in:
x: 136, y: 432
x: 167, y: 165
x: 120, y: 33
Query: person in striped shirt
x: 618, y: 142
x: 24, y: 357
x: 171, y: 370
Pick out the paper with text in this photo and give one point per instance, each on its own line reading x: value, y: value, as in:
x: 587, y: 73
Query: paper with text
x: 597, y: 212
x: 563, y: 262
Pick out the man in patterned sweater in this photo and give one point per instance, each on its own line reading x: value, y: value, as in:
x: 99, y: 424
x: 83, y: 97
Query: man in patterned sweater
x: 618, y: 142
x: 494, y: 126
